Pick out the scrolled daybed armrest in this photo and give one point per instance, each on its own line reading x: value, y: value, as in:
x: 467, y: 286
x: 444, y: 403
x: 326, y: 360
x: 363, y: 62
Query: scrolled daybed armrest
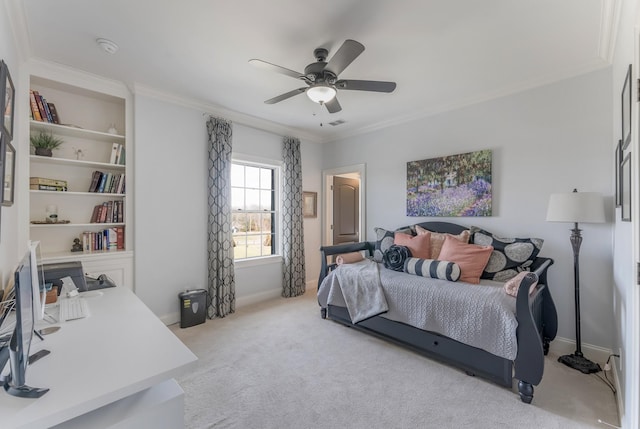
x: 338, y: 249
x: 550, y: 316
x: 540, y: 266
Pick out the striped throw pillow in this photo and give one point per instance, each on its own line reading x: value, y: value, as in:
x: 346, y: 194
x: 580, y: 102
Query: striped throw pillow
x: 443, y: 270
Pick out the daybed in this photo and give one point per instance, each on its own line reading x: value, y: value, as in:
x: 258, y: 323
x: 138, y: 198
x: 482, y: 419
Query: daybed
x: 535, y: 319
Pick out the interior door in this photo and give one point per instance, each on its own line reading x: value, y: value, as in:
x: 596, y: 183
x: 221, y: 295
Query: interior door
x: 346, y: 210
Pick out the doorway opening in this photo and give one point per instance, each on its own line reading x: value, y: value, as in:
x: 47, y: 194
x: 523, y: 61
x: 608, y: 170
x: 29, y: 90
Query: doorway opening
x: 343, y: 192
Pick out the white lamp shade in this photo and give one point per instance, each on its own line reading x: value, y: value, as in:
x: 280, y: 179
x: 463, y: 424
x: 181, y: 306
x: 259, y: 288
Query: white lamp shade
x: 576, y: 207
x: 321, y: 93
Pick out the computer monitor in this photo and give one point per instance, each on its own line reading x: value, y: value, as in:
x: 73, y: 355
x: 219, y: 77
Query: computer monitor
x: 37, y: 280
x: 20, y: 344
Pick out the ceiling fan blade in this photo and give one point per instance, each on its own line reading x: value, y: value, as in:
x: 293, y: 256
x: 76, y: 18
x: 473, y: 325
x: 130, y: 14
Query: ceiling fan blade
x: 348, y: 52
x: 333, y: 106
x: 278, y: 69
x: 284, y: 96
x: 366, y: 85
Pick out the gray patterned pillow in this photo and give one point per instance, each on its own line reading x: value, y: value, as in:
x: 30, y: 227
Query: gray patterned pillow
x: 510, y: 256
x: 384, y: 240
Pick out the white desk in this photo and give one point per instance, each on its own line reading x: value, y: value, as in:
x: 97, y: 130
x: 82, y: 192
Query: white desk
x: 114, y: 368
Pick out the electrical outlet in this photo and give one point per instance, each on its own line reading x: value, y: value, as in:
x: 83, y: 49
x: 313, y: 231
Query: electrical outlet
x: 620, y: 367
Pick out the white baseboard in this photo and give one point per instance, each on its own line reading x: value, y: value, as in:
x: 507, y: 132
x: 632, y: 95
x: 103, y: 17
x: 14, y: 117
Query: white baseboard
x: 564, y: 346
x: 258, y: 297
x: 171, y: 318
x: 616, y: 384
x: 243, y: 301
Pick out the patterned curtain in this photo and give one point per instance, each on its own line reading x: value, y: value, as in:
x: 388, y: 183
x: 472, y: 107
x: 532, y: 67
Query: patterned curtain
x: 292, y: 227
x: 222, y: 285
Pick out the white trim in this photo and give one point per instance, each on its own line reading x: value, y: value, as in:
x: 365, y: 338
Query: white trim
x: 609, y: 21
x: 241, y: 264
x: 616, y: 384
x: 258, y: 297
x: 77, y: 78
x: 215, y: 110
x: 564, y: 346
x: 19, y: 28
x: 582, y: 69
x: 171, y: 318
x: 631, y: 363
x: 327, y: 201
x: 276, y: 166
x: 255, y: 160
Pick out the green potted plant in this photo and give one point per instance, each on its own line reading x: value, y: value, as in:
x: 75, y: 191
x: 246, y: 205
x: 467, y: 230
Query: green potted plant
x: 44, y: 143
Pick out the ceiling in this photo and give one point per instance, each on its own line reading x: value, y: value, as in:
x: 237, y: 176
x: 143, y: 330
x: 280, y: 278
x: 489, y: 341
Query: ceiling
x: 442, y: 54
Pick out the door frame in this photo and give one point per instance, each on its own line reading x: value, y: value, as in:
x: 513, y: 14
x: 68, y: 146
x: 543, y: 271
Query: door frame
x: 631, y: 401
x: 327, y: 199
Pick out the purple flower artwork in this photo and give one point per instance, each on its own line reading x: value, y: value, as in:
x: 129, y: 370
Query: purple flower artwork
x: 450, y: 186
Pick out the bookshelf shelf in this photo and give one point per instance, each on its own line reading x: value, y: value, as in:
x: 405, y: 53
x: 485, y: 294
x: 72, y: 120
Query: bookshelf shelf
x: 70, y: 131
x: 87, y: 159
x: 76, y: 225
x: 78, y: 194
x: 75, y: 162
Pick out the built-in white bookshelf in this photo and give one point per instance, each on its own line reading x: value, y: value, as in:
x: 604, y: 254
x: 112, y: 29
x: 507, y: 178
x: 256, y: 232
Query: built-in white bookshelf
x: 93, y: 123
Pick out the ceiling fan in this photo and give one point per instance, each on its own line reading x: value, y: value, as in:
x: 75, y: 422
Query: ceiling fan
x: 321, y: 77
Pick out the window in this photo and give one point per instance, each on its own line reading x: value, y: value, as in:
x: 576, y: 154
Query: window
x: 253, y: 204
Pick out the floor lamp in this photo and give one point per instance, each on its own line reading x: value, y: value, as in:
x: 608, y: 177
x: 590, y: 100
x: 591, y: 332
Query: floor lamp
x: 576, y: 207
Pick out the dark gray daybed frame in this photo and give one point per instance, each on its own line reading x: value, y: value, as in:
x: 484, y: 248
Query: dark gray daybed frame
x: 536, y: 316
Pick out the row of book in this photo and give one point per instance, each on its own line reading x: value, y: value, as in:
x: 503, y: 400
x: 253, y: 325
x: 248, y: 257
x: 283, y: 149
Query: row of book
x: 117, y: 154
x: 107, y: 182
x: 45, y: 184
x: 103, y: 240
x: 41, y: 110
x: 108, y: 212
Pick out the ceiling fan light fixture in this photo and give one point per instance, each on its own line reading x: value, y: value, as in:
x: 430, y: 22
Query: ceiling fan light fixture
x: 321, y: 93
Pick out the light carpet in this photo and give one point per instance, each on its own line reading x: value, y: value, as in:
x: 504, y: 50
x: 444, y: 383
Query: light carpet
x: 277, y: 364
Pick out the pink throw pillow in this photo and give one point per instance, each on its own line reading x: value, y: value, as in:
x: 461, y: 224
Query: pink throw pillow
x: 419, y: 245
x: 349, y: 258
x: 470, y: 257
x: 511, y: 286
x: 437, y: 239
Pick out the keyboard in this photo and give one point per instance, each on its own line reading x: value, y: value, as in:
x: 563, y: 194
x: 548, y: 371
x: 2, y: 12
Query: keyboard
x: 73, y: 308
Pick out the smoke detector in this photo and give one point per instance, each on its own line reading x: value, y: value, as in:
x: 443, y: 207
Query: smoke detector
x: 107, y: 45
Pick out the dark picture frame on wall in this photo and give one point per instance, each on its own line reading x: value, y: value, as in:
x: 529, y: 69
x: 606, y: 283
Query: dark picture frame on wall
x: 618, y: 163
x: 625, y: 179
x: 626, y: 110
x: 7, y: 94
x: 9, y: 174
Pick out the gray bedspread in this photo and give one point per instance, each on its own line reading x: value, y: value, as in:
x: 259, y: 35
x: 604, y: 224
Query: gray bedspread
x: 357, y: 286
x: 481, y: 316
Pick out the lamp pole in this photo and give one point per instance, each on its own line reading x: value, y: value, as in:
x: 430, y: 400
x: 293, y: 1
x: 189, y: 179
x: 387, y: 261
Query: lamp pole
x: 576, y: 241
x: 577, y: 207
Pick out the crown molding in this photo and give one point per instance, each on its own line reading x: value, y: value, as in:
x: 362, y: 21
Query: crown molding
x: 19, y: 28
x: 592, y: 66
x: 215, y: 110
x: 609, y: 22
x: 75, y: 77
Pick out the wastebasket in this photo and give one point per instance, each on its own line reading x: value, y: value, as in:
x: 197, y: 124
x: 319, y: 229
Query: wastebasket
x: 193, y: 307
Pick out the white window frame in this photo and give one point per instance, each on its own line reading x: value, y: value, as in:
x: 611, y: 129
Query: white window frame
x: 256, y: 161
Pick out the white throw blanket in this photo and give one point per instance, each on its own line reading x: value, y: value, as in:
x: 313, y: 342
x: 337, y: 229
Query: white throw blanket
x: 358, y: 286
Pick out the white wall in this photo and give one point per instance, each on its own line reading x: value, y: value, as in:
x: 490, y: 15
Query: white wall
x: 11, y: 249
x: 171, y: 205
x: 545, y: 140
x: 625, y: 334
